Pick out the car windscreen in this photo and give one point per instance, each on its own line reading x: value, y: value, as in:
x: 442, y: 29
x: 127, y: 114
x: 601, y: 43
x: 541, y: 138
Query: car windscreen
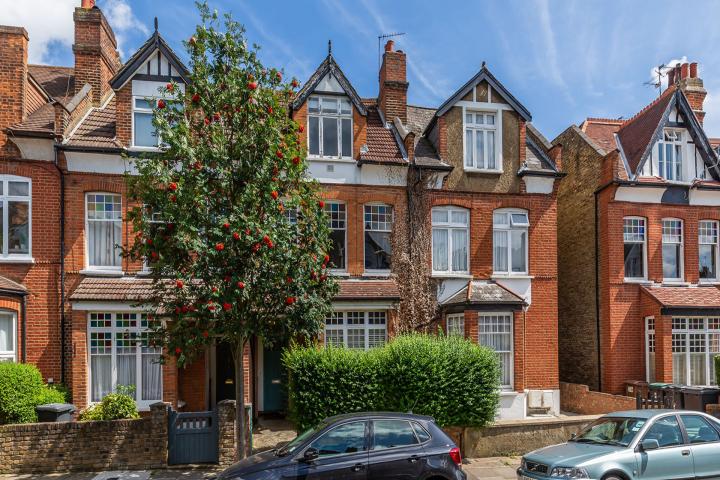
x: 617, y: 431
x: 297, y: 441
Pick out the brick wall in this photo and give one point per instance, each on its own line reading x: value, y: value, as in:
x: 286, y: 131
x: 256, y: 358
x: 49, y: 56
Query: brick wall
x: 85, y: 446
x: 392, y: 98
x: 580, y: 399
x: 226, y: 432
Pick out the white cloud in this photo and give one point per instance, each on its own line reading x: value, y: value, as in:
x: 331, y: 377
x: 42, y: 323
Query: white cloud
x: 122, y: 20
x: 659, y: 74
x: 47, y: 21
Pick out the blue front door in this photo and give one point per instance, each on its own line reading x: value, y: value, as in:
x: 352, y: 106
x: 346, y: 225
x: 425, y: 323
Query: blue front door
x: 274, y: 378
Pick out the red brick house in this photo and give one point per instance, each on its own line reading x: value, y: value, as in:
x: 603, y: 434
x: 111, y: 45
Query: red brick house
x: 637, y: 244
x: 69, y: 301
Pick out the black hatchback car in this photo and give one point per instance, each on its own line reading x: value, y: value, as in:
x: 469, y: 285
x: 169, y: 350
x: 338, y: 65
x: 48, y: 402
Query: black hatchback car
x: 359, y: 446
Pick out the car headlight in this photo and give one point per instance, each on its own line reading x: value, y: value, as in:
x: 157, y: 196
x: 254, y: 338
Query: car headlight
x: 569, y: 472
x: 523, y: 464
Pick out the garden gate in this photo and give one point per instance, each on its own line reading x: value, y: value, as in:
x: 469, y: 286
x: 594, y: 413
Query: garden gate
x: 192, y: 437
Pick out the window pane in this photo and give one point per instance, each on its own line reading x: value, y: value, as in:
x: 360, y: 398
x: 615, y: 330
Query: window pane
x: 7, y: 333
x: 679, y: 356
x: 459, y: 216
x: 348, y: 438
x: 708, y: 261
x: 495, y: 332
x: 519, y: 219
x: 666, y: 431
x: 330, y: 137
x: 697, y: 344
x: 151, y: 374
x: 500, y: 251
x: 421, y: 433
x: 500, y: 219
x: 479, y: 149
x: 671, y: 260
x: 314, y: 105
x: 479, y: 118
x: 104, y: 230
x: 345, y: 108
x: 699, y: 430
x: 144, y: 103
x: 346, y: 137
x: 634, y: 229
x: 393, y: 433
x: 329, y: 105
x: 460, y: 249
x: 144, y: 132
x: 101, y: 376
x: 337, y: 251
x: 440, y: 249
x: 634, y: 260
x: 378, y: 250
x: 490, y: 119
x: 455, y: 325
x: 18, y: 189
x: 18, y: 228
x: 440, y: 215
x: 334, y: 337
x: 491, y: 150
x: 469, y: 148
x: 356, y: 338
x: 519, y: 251
x: 314, y: 134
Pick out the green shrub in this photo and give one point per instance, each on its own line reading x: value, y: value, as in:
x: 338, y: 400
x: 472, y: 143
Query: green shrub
x: 449, y: 378
x: 21, y: 390
x: 115, y: 406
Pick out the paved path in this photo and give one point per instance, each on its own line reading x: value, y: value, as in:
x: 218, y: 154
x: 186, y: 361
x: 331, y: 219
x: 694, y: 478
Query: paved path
x: 494, y: 468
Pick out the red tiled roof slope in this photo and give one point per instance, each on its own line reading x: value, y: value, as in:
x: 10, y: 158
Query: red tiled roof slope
x: 685, y: 296
x: 367, y: 289
x: 381, y: 143
x: 97, y: 130
x: 602, y: 131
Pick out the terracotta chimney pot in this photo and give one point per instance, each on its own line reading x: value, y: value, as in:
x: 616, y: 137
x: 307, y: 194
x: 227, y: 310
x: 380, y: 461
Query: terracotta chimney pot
x: 389, y: 46
x: 87, y: 4
x: 684, y: 70
x: 693, y: 70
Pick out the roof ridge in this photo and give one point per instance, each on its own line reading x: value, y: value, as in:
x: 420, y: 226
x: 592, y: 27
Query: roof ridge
x: 612, y: 121
x: 666, y: 93
x: 40, y: 65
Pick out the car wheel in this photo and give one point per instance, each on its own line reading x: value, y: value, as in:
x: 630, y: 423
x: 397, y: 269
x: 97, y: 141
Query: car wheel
x: 613, y: 477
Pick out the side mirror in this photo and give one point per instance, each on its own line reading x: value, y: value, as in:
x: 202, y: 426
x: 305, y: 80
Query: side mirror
x: 573, y: 436
x: 312, y: 454
x: 649, y: 444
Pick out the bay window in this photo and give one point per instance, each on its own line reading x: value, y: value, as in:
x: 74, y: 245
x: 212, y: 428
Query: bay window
x: 708, y: 249
x: 495, y: 331
x: 337, y: 221
x: 356, y: 329
x: 510, y: 242
x: 670, y: 155
x: 450, y: 236
x: 330, y: 127
x: 480, y: 141
x: 8, y: 336
x: 634, y: 238
x: 455, y: 324
x: 695, y: 343
x: 378, y: 229
x: 672, y: 249
x: 15, y: 201
x: 104, y: 230
x: 121, y: 355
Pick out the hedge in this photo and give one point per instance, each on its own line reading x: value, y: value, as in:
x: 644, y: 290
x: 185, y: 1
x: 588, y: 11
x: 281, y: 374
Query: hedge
x: 21, y: 390
x: 449, y: 378
x: 717, y: 370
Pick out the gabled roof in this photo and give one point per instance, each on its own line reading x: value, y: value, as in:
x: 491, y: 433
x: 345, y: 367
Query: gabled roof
x: 636, y: 136
x: 155, y: 42
x: 328, y: 66
x: 602, y: 131
x: 484, y: 74
x: 57, y: 82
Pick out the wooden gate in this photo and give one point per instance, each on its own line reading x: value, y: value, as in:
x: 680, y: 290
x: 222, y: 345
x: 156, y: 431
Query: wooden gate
x: 192, y: 437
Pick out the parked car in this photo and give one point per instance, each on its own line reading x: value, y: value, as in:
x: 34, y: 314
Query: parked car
x: 645, y: 444
x: 359, y: 446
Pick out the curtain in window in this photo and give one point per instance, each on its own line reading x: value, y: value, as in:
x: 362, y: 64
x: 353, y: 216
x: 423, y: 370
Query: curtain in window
x: 127, y: 371
x: 101, y: 376
x: 6, y: 333
x: 151, y: 376
x: 18, y: 228
x: 440, y: 250
x: 495, y: 332
x: 500, y: 254
x: 459, y: 253
x: 102, y: 238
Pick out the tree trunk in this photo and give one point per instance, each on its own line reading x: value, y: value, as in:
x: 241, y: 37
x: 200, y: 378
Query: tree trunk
x: 240, y: 443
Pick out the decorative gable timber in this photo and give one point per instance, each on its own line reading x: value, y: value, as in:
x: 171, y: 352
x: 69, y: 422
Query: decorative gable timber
x: 154, y: 44
x: 327, y: 76
x: 485, y: 75
x: 637, y: 136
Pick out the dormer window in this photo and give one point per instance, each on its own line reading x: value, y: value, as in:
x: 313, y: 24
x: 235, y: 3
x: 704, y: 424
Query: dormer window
x: 670, y: 155
x: 144, y: 134
x: 329, y: 127
x: 480, y: 141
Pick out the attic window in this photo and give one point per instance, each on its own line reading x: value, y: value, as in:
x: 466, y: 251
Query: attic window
x: 329, y: 127
x: 670, y: 155
x: 481, y: 139
x: 144, y: 134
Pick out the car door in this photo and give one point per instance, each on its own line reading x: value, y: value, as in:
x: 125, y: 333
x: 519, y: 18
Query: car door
x: 395, y: 452
x: 705, y: 445
x: 673, y: 460
x: 342, y: 453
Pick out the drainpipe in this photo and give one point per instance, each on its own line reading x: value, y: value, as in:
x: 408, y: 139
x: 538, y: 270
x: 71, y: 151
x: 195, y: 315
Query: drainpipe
x: 62, y: 268
x: 23, y: 321
x: 597, y: 294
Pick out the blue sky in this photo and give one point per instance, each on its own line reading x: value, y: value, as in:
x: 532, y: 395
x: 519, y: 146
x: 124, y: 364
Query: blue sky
x: 564, y: 60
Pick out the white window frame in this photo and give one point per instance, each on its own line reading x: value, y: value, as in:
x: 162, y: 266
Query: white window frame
x: 5, y: 198
x: 113, y: 329
x: 10, y: 355
x: 650, y: 347
x: 512, y: 228
x: 100, y: 268
x: 506, y: 315
x: 342, y: 270
x: 366, y: 326
x: 339, y: 117
x: 450, y: 226
x: 156, y: 219
x: 681, y: 254
x: 143, y: 110
x: 702, y: 240
x: 706, y: 331
x: 645, y: 253
x: 455, y: 324
x: 674, y: 138
x: 377, y: 271
x: 475, y: 127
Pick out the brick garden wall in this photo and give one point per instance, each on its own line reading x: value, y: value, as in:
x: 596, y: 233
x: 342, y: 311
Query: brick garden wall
x: 577, y: 398
x: 86, y: 446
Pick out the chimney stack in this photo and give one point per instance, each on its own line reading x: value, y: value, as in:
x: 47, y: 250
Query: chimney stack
x: 13, y: 82
x: 95, y: 49
x: 393, y: 84
x: 686, y: 76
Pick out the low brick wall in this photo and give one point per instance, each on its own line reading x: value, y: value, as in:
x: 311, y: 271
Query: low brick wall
x: 517, y: 437
x: 226, y: 431
x: 86, y: 446
x: 577, y: 398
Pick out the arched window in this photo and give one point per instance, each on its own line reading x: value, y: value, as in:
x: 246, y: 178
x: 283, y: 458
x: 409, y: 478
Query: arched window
x: 103, y: 222
x: 672, y: 249
x: 510, y: 241
x: 15, y: 212
x: 450, y: 237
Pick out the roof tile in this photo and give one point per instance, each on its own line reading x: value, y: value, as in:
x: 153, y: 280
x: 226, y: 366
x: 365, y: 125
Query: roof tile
x: 381, y: 142
x: 688, y: 297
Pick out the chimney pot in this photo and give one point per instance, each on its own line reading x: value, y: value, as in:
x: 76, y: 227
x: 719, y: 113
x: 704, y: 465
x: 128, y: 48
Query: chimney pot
x: 693, y: 70
x: 389, y: 46
x: 684, y: 70
x: 87, y: 4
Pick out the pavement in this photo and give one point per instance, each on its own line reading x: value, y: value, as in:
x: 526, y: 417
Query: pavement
x: 492, y: 468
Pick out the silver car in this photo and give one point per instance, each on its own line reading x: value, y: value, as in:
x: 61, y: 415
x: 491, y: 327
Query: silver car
x: 645, y: 444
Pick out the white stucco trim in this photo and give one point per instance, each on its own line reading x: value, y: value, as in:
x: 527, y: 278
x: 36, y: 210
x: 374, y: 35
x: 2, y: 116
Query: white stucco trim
x: 543, y: 185
x: 639, y: 194
x: 109, y: 306
x: 35, y: 148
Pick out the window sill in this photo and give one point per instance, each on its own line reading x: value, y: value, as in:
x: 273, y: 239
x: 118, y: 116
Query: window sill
x: 708, y: 283
x: 482, y: 170
x: 28, y: 260
x: 101, y: 272
x: 376, y: 273
x: 339, y: 273
x: 507, y: 392
x: 451, y: 275
x: 143, y: 149
x: 639, y: 281
x: 331, y: 159
x: 505, y: 276
x: 676, y: 283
